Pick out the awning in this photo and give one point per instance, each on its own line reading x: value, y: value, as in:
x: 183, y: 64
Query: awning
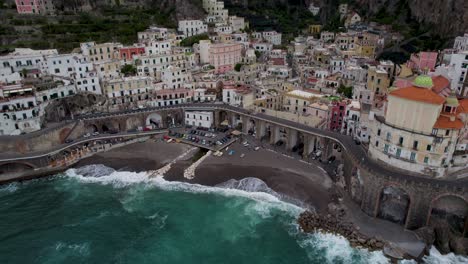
x: 225, y: 123
x: 236, y: 133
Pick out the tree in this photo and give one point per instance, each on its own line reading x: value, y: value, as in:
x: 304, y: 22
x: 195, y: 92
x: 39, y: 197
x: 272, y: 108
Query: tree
x: 258, y: 54
x: 128, y: 70
x: 346, y: 91
x: 238, y: 67
x: 188, y: 42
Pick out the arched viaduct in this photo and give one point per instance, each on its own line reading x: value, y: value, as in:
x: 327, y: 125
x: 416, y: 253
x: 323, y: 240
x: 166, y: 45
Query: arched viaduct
x: 410, y: 200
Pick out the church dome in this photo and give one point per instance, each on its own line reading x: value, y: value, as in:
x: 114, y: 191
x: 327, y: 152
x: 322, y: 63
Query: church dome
x: 423, y: 81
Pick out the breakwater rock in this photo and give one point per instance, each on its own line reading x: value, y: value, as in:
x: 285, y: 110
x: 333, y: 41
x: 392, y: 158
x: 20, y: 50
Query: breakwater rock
x: 312, y: 222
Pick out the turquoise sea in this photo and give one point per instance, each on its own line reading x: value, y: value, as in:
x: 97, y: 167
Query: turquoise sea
x: 97, y: 215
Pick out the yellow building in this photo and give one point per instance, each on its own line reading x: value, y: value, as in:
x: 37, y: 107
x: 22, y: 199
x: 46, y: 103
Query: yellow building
x: 377, y: 80
x: 419, y: 130
x: 315, y: 29
x: 297, y: 101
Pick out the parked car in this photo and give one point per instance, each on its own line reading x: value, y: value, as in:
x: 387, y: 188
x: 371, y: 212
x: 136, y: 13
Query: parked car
x: 69, y: 141
x: 95, y: 133
x: 87, y: 135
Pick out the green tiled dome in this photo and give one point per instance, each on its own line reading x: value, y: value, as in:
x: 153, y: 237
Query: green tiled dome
x: 423, y: 81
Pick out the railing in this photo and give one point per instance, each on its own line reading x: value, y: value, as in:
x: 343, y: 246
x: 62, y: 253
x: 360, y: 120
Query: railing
x: 355, y: 152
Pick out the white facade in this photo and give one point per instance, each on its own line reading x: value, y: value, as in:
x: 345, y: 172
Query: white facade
x: 280, y: 71
x: 26, y: 59
x: 199, y: 119
x: 337, y: 64
x: 223, y: 29
x: 158, y: 47
x: 175, y: 78
x: 273, y: 37
x: 192, y: 27
x: 315, y: 10
x: 152, y: 34
x: 263, y: 47
x: 461, y: 43
x: 459, y: 62
x: 238, y: 97
x: 153, y: 65
x: 326, y: 36
x: 19, y: 114
x: 58, y: 92
x: 237, y: 23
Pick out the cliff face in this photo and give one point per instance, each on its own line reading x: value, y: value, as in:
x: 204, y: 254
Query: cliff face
x: 445, y: 17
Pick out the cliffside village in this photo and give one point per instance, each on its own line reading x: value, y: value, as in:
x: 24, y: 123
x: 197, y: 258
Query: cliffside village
x: 411, y: 116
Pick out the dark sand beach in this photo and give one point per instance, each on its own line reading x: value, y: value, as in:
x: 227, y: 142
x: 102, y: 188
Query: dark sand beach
x: 297, y: 181
x: 292, y: 178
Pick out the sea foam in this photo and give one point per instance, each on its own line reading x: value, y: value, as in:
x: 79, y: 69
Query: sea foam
x: 336, y: 248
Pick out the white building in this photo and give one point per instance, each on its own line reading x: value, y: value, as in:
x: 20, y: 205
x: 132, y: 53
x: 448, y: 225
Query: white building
x: 199, y: 119
x: 192, y: 27
x: 28, y: 59
x: 201, y: 95
x: 459, y: 63
x: 327, y: 36
x: 158, y: 47
x: 337, y: 64
x: 242, y: 96
x: 237, y: 23
x: 152, y: 34
x: 279, y: 71
x: 315, y: 10
x: 216, y: 9
x: 461, y: 43
x: 262, y: 46
x: 60, y: 91
x: 176, y: 78
x: 153, y: 65
x: 273, y: 37
x: 19, y: 110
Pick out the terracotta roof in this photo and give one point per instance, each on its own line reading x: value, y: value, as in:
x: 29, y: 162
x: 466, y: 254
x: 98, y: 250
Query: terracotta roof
x: 463, y: 107
x: 278, y: 61
x: 440, y: 83
x: 419, y: 94
x: 445, y: 123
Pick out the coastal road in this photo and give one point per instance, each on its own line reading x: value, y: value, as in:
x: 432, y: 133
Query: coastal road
x: 356, y: 152
x: 36, y: 155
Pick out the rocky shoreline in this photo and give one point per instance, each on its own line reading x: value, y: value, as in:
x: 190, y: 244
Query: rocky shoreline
x: 333, y: 223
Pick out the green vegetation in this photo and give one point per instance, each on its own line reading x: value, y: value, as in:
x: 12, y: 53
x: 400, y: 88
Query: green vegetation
x: 335, y: 24
x: 258, y: 54
x: 128, y: 70
x: 188, y: 42
x: 346, y: 91
x: 66, y: 31
x: 289, y: 19
x: 238, y: 67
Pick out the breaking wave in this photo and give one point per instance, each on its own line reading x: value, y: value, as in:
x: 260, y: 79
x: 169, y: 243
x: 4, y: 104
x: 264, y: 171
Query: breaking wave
x: 336, y: 249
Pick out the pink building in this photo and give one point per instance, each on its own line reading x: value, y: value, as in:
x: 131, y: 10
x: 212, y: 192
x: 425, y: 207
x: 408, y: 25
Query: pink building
x: 423, y: 61
x: 35, y: 7
x: 127, y: 53
x: 337, y: 113
x: 225, y: 56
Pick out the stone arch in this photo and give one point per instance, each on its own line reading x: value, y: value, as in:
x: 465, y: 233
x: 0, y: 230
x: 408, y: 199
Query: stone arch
x: 452, y: 209
x: 224, y: 118
x: 154, y: 119
x: 393, y: 204
x: 106, y: 128
x: 91, y: 128
x: 133, y: 123
x: 16, y: 166
x: 267, y: 133
x: 251, y: 126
